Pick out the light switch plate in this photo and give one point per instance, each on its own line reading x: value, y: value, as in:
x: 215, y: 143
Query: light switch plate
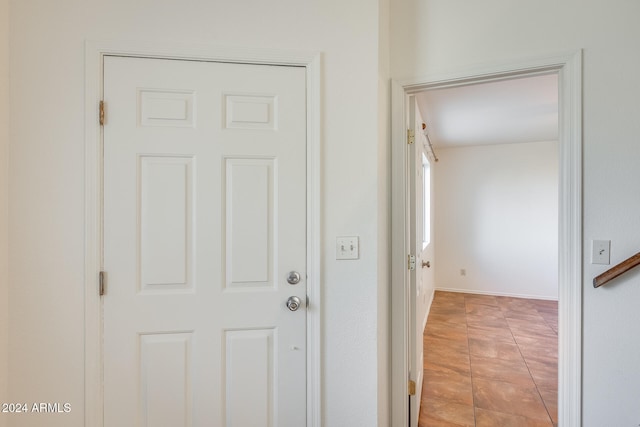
x: 600, y: 252
x: 347, y: 247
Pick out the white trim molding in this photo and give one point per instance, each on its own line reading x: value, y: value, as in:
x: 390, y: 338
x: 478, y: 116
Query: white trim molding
x: 568, y: 67
x: 94, y: 56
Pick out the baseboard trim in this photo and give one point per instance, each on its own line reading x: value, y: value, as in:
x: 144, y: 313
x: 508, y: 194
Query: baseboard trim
x: 428, y: 310
x: 497, y: 294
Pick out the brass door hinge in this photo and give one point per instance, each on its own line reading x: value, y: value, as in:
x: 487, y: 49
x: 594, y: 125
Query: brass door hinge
x: 412, y: 388
x: 101, y: 283
x: 101, y: 114
x: 411, y: 136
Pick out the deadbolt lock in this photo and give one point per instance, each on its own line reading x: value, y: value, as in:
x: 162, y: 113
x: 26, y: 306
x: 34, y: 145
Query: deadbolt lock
x: 293, y: 278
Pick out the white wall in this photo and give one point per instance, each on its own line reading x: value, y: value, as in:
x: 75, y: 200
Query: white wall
x: 46, y: 187
x: 435, y: 36
x: 496, y: 216
x: 4, y: 200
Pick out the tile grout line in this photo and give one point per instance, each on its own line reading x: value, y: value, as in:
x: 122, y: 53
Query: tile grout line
x: 473, y: 395
x: 527, y: 365
x: 503, y: 311
x: 534, y: 381
x: 545, y: 321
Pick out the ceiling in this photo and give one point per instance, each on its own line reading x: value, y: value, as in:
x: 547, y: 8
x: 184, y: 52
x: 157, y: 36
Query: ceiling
x: 511, y: 111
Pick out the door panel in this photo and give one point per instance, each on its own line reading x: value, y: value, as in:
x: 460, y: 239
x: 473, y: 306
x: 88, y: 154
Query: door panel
x: 166, y: 227
x: 421, y: 279
x: 250, y: 357
x: 249, y: 221
x: 204, y: 217
x: 415, y: 340
x: 165, y: 377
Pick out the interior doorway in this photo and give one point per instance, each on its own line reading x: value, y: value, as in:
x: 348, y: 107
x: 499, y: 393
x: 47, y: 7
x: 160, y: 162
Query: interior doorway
x: 568, y: 71
x: 495, y: 227
x: 496, y: 185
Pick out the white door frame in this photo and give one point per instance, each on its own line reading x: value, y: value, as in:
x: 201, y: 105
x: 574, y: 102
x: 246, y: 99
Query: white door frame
x: 94, y: 55
x: 568, y: 66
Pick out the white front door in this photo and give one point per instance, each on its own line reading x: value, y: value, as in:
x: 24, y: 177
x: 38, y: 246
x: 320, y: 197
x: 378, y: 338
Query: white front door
x: 204, y: 219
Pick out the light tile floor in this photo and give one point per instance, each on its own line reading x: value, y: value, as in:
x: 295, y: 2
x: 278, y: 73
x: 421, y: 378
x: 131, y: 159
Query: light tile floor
x: 490, y: 361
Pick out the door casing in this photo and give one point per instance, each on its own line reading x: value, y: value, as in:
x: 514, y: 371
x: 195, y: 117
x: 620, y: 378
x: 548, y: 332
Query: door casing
x: 568, y: 66
x: 94, y: 58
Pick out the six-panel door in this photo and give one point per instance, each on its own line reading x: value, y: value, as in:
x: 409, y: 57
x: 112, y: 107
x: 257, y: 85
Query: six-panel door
x: 204, y: 218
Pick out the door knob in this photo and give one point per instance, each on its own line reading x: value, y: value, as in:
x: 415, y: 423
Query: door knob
x: 293, y: 303
x: 293, y: 278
